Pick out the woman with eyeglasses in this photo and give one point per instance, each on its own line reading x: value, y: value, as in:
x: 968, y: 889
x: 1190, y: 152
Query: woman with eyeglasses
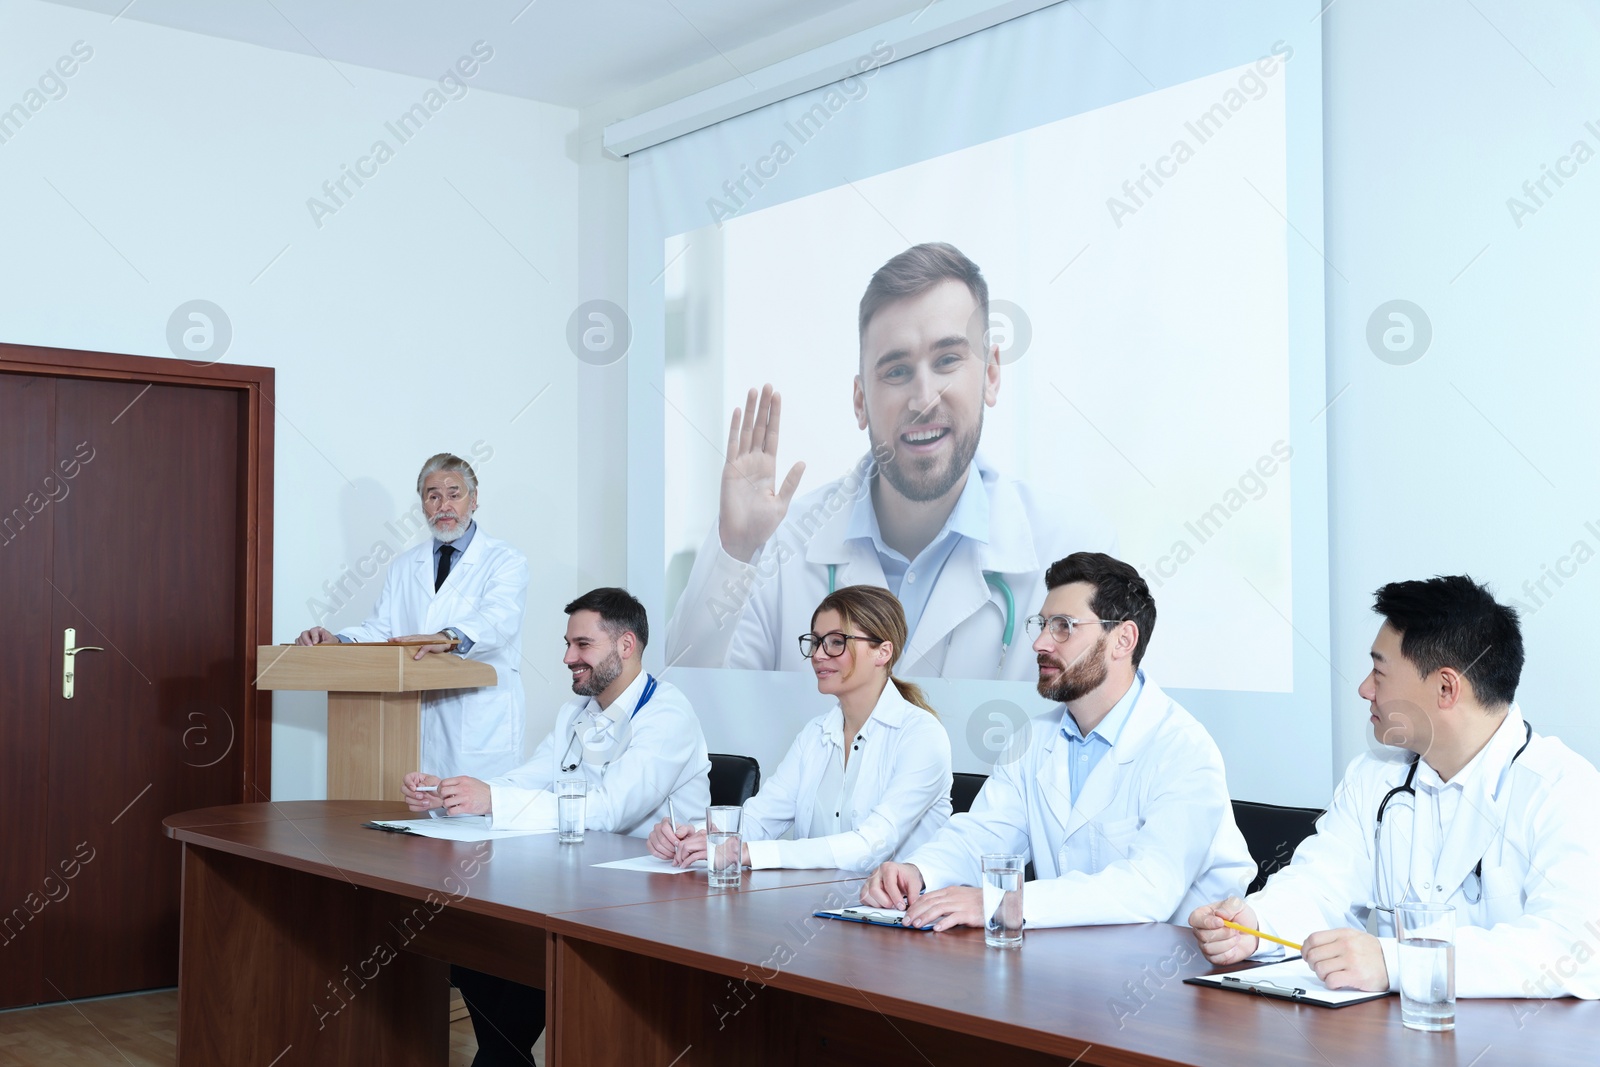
x: 865, y: 781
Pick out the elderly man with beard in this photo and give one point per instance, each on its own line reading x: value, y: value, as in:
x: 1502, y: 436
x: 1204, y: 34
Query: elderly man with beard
x: 633, y: 737
x: 460, y: 593
x: 1119, y: 797
x: 960, y: 544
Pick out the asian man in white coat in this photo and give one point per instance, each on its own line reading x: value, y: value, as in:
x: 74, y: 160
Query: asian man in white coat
x: 634, y: 738
x: 923, y: 513
x: 465, y: 590
x: 1119, y: 797
x: 1474, y: 810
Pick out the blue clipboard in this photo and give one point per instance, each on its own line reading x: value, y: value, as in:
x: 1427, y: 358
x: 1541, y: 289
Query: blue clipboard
x: 871, y: 917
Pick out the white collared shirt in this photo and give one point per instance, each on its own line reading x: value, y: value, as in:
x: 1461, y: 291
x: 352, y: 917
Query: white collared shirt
x: 894, y: 795
x: 833, y: 812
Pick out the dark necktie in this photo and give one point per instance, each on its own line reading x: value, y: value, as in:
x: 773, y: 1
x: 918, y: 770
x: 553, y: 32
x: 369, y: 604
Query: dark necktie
x: 443, y: 572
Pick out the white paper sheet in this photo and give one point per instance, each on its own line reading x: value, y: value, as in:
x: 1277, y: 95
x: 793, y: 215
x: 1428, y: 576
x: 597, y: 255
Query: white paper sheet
x: 652, y: 865
x: 461, y: 828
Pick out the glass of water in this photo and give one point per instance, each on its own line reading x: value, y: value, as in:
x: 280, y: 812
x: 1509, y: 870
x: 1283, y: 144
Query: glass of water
x: 572, y: 798
x: 724, y: 848
x: 1427, y: 937
x: 1002, y: 899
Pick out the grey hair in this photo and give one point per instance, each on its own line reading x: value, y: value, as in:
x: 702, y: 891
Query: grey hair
x: 448, y: 461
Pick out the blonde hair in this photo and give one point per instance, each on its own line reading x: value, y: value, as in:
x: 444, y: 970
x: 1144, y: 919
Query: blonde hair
x: 878, y: 614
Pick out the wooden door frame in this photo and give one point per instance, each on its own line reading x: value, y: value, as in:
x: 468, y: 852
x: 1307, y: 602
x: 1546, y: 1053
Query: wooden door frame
x: 255, y: 547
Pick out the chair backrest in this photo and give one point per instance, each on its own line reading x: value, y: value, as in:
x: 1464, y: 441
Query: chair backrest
x: 1272, y: 833
x: 734, y: 779
x: 964, y: 788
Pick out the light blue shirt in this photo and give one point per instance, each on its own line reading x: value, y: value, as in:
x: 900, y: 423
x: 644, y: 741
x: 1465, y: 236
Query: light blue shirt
x: 913, y: 580
x: 1084, y: 753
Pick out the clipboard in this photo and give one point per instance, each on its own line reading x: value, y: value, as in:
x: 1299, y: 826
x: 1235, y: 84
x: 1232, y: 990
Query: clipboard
x: 1290, y: 979
x: 871, y: 916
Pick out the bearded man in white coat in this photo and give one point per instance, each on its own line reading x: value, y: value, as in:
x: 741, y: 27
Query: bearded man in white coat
x: 1119, y: 797
x: 1474, y: 810
x: 461, y: 593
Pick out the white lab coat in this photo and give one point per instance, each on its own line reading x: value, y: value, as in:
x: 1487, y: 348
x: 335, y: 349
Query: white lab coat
x: 464, y: 731
x: 733, y: 614
x: 633, y: 767
x: 901, y: 795
x: 1151, y: 838
x: 1535, y: 824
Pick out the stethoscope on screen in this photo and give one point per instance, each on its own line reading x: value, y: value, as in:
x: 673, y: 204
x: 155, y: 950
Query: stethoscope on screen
x: 1384, y: 886
x: 995, y: 579
x: 568, y: 764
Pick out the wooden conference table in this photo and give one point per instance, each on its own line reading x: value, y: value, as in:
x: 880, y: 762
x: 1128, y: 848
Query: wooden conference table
x: 307, y: 939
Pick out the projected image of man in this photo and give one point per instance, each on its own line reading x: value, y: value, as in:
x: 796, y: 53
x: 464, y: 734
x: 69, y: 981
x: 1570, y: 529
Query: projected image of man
x: 923, y: 513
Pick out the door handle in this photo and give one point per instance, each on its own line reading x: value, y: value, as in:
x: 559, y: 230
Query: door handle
x: 69, y: 655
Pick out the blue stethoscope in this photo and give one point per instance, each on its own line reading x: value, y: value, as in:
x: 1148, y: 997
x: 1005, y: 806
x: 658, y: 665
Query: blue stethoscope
x: 995, y: 579
x: 1407, y: 787
x: 568, y: 765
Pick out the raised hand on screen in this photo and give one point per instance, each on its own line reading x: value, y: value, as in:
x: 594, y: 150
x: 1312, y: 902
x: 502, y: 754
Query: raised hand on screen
x: 752, y: 505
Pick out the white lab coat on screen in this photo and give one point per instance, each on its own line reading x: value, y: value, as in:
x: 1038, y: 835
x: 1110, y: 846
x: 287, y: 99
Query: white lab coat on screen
x: 1530, y: 928
x: 634, y: 764
x: 735, y: 614
x: 901, y: 795
x: 1151, y: 838
x: 477, y: 731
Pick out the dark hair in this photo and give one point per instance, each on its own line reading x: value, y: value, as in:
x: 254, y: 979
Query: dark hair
x: 618, y: 610
x: 915, y: 271
x: 1119, y: 592
x: 1452, y: 621
x: 879, y: 614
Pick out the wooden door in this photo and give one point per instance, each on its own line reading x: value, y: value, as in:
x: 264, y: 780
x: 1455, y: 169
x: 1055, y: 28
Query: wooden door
x: 140, y: 542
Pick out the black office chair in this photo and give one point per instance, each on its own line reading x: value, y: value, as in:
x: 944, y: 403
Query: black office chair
x: 964, y: 790
x: 734, y: 779
x: 1273, y: 832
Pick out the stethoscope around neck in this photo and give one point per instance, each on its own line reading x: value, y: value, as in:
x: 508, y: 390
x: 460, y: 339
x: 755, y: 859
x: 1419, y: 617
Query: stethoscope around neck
x: 995, y: 579
x: 568, y: 764
x: 1407, y: 786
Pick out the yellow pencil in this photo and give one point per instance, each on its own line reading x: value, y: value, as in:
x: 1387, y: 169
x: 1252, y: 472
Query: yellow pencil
x: 1258, y: 933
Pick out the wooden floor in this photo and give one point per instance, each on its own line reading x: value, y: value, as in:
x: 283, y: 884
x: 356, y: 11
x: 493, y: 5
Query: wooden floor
x: 139, y: 1030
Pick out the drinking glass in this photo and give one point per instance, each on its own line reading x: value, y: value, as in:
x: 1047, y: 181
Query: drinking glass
x: 1427, y: 952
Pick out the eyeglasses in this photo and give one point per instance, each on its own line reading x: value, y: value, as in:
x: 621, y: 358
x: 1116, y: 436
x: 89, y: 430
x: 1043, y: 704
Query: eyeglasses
x: 831, y: 644
x: 1061, y: 626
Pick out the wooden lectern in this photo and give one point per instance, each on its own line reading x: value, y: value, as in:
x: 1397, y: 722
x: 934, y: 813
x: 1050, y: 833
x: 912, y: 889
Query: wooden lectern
x: 374, y: 705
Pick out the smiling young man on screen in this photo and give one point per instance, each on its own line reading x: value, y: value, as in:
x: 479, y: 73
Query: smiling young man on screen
x: 922, y: 514
x: 1484, y: 815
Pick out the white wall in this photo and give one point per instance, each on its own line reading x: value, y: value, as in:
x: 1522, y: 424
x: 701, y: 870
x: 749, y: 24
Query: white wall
x: 1481, y: 456
x: 194, y: 157
x: 411, y: 321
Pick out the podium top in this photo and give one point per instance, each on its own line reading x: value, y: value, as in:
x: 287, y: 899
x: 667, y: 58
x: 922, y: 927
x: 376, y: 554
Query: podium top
x: 365, y: 669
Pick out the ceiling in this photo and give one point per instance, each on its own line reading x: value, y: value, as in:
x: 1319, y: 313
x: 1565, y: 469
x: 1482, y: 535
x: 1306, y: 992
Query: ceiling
x: 574, y: 53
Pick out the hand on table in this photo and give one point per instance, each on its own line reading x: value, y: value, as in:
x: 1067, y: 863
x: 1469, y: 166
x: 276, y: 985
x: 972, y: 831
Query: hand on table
x: 1347, y: 959
x: 682, y: 844
x: 957, y: 905
x: 464, y: 796
x: 1220, y: 944
x: 436, y: 643
x: 892, y: 885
